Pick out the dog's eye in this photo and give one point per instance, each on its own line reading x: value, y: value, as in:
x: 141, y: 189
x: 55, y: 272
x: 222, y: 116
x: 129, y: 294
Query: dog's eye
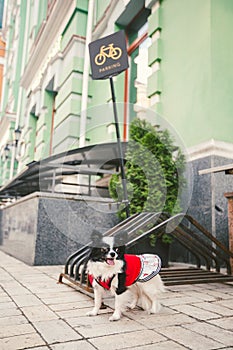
x: 103, y: 250
x: 117, y: 250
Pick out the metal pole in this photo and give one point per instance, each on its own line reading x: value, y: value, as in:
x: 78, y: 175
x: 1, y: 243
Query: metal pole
x: 83, y: 117
x: 126, y: 201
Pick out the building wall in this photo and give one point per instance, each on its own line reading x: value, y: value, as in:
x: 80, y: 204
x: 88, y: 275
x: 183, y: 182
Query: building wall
x: 190, y: 57
x: 13, y: 35
x: 46, y: 48
x: 196, y: 51
x: 2, y: 55
x: 190, y: 87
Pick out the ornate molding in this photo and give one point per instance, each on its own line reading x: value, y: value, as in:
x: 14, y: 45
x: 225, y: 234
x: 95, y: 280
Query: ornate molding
x: 211, y: 148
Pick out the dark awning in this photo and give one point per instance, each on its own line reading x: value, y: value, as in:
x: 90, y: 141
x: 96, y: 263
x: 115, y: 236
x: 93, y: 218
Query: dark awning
x: 101, y: 159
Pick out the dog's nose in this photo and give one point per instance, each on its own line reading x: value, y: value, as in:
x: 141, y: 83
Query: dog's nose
x: 112, y: 254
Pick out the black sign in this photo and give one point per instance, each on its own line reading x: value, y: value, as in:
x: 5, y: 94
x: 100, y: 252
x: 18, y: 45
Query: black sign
x: 108, y: 56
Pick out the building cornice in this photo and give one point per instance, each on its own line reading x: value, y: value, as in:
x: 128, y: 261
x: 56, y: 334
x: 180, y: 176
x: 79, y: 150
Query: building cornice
x: 51, y: 30
x: 211, y: 148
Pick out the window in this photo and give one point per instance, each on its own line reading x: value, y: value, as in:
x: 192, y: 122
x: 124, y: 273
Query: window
x: 136, y: 77
x: 142, y: 69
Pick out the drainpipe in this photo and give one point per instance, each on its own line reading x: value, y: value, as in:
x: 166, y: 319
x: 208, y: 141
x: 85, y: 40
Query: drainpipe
x: 82, y: 133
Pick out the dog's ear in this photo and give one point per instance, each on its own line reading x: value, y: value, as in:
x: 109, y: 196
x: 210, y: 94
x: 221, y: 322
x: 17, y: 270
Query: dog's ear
x: 96, y: 237
x: 121, y: 238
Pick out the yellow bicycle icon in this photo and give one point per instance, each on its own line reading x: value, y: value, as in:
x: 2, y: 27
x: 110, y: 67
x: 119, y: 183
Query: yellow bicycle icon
x: 107, y: 52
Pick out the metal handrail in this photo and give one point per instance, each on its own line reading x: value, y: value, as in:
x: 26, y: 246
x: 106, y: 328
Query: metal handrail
x: 192, y: 241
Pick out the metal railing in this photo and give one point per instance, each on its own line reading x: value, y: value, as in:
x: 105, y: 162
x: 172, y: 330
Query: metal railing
x: 206, y: 249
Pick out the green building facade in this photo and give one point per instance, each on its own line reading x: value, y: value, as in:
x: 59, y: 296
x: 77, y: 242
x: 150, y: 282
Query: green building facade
x: 180, y: 56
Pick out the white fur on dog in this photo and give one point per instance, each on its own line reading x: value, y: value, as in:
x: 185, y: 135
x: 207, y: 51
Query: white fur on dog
x: 144, y: 294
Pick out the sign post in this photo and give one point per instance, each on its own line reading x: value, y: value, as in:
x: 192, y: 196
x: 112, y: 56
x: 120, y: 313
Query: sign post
x: 108, y: 57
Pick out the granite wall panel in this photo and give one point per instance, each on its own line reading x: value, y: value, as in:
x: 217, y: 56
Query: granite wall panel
x: 45, y: 230
x: 65, y: 225
x: 19, y: 225
x: 208, y: 204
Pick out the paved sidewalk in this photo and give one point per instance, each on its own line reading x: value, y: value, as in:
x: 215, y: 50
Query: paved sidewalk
x: 37, y: 313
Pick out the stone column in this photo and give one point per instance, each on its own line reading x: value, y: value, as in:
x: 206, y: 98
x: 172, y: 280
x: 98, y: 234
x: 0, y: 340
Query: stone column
x: 229, y: 196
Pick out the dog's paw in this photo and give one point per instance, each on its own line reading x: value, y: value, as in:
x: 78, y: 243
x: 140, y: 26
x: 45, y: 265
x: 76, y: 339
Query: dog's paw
x: 114, y: 317
x: 132, y: 306
x: 92, y: 313
x: 156, y: 307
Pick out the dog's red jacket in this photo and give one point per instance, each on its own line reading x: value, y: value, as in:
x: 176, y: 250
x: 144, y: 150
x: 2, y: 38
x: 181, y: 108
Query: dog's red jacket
x: 134, y: 271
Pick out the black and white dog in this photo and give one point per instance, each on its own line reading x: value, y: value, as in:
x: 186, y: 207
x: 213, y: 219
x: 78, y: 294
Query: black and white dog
x: 131, y: 278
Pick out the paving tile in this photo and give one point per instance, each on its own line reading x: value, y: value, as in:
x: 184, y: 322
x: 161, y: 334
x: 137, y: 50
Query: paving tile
x: 156, y: 322
x: 33, y: 276
x: 225, y: 323
x: 50, y: 291
x: 21, y: 342
x: 56, y: 331
x: 40, y: 293
x: 122, y: 326
x: 24, y: 270
x: 226, y: 303
x: 216, y: 308
x: 180, y: 300
x: 9, y: 331
x: 203, y: 286
x: 41, y: 288
x: 221, y: 335
x: 220, y: 295
x: 141, y: 315
x: 7, y: 305
x: 66, y: 299
x: 26, y: 300
x: 218, y: 286
x: 39, y: 285
x: 60, y: 293
x: 4, y: 276
x: 168, y: 345
x: 71, y: 306
x: 180, y: 288
x: 50, y: 270
x: 196, y: 295
x: 10, y: 312
x: 12, y: 320
x: 18, y: 266
x: 80, y: 312
x: 87, y: 321
x: 189, y: 339
x: 127, y: 340
x: 14, y: 288
x: 39, y: 313
x: 77, y: 345
x: 4, y: 298
x: 195, y: 312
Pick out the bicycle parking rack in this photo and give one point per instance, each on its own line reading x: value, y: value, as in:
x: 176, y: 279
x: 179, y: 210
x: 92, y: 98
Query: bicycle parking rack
x: 204, y: 247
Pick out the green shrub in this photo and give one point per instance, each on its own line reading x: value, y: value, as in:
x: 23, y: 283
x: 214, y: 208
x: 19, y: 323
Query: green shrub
x: 154, y: 171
